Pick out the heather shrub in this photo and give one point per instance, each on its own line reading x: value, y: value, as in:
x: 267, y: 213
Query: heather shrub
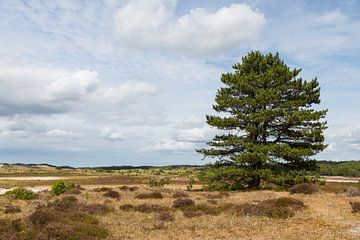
x: 127, y: 207
x: 180, y: 194
x: 21, y: 193
x: 183, y: 202
x: 10, y: 209
x: 353, y: 192
x: 273, y: 208
x: 304, y: 188
x: 112, y: 194
x: 355, y: 206
x: 148, y: 208
x: 165, y: 216
x: 96, y: 208
x: 199, y: 210
x: 102, y: 189
x: 150, y: 195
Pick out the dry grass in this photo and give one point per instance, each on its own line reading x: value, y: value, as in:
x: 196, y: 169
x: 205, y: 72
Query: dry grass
x: 327, y: 216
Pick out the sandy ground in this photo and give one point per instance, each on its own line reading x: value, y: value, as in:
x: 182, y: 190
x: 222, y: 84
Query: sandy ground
x: 31, y: 178
x: 341, y: 179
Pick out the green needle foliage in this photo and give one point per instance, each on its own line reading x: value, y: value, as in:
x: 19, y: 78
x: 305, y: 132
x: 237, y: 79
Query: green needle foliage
x: 268, y: 122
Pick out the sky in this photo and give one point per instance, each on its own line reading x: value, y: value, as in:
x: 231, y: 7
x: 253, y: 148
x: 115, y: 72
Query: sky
x: 99, y: 83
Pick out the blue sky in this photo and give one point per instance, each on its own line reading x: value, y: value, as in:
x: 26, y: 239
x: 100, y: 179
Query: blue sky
x: 89, y: 83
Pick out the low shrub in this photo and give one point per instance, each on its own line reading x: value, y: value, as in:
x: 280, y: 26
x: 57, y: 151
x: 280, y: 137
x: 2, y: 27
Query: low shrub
x: 124, y: 187
x: 65, y: 203
x: 127, y: 188
x: 355, y: 206
x: 21, y: 193
x: 155, y: 195
x: 10, y: 209
x: 96, y: 209
x: 149, y: 208
x: 60, y: 187
x: 153, y: 182
x: 165, y: 216
x: 112, y: 194
x: 180, y: 194
x: 11, y: 230
x: 304, y: 188
x: 274, y: 208
x: 200, y: 210
x: 183, y: 202
x: 144, y: 208
x: 127, y: 207
x: 353, y: 192
x: 102, y: 189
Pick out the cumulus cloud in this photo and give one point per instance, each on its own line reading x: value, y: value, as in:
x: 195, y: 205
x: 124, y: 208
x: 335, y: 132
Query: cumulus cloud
x: 153, y: 24
x: 109, y: 134
x: 61, y: 133
x: 171, y: 145
x: 195, y: 134
x: 34, y: 90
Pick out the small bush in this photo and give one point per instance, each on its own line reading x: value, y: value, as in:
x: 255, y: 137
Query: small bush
x: 11, y: 230
x: 112, y: 194
x: 353, y: 192
x: 355, y: 206
x: 274, y: 208
x: 96, y: 209
x: 133, y: 189
x: 127, y: 207
x: 304, y: 188
x: 153, y: 182
x: 199, y: 210
x: 43, y: 216
x: 180, y: 195
x: 144, y: 208
x: 148, y: 208
x: 60, y: 187
x: 127, y: 188
x: 183, y: 202
x: 124, y: 187
x: 65, y: 204
x: 165, y: 216
x: 150, y: 195
x: 21, y: 193
x: 10, y: 209
x: 102, y: 189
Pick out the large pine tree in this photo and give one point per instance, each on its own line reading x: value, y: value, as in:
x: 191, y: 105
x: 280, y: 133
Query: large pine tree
x: 267, y: 117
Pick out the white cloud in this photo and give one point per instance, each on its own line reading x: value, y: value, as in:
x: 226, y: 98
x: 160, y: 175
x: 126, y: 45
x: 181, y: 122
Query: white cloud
x: 60, y: 133
x: 153, y: 24
x: 110, y: 134
x: 171, y: 145
x: 35, y: 90
x: 196, y: 134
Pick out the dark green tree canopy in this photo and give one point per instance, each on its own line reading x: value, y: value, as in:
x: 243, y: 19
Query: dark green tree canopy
x: 266, y: 112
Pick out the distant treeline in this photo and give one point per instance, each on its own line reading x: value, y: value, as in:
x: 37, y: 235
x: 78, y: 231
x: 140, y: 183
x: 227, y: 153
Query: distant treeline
x: 144, y: 167
x: 344, y: 168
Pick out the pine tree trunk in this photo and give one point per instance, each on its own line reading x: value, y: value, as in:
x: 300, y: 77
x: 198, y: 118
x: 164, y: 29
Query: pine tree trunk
x: 255, y: 184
